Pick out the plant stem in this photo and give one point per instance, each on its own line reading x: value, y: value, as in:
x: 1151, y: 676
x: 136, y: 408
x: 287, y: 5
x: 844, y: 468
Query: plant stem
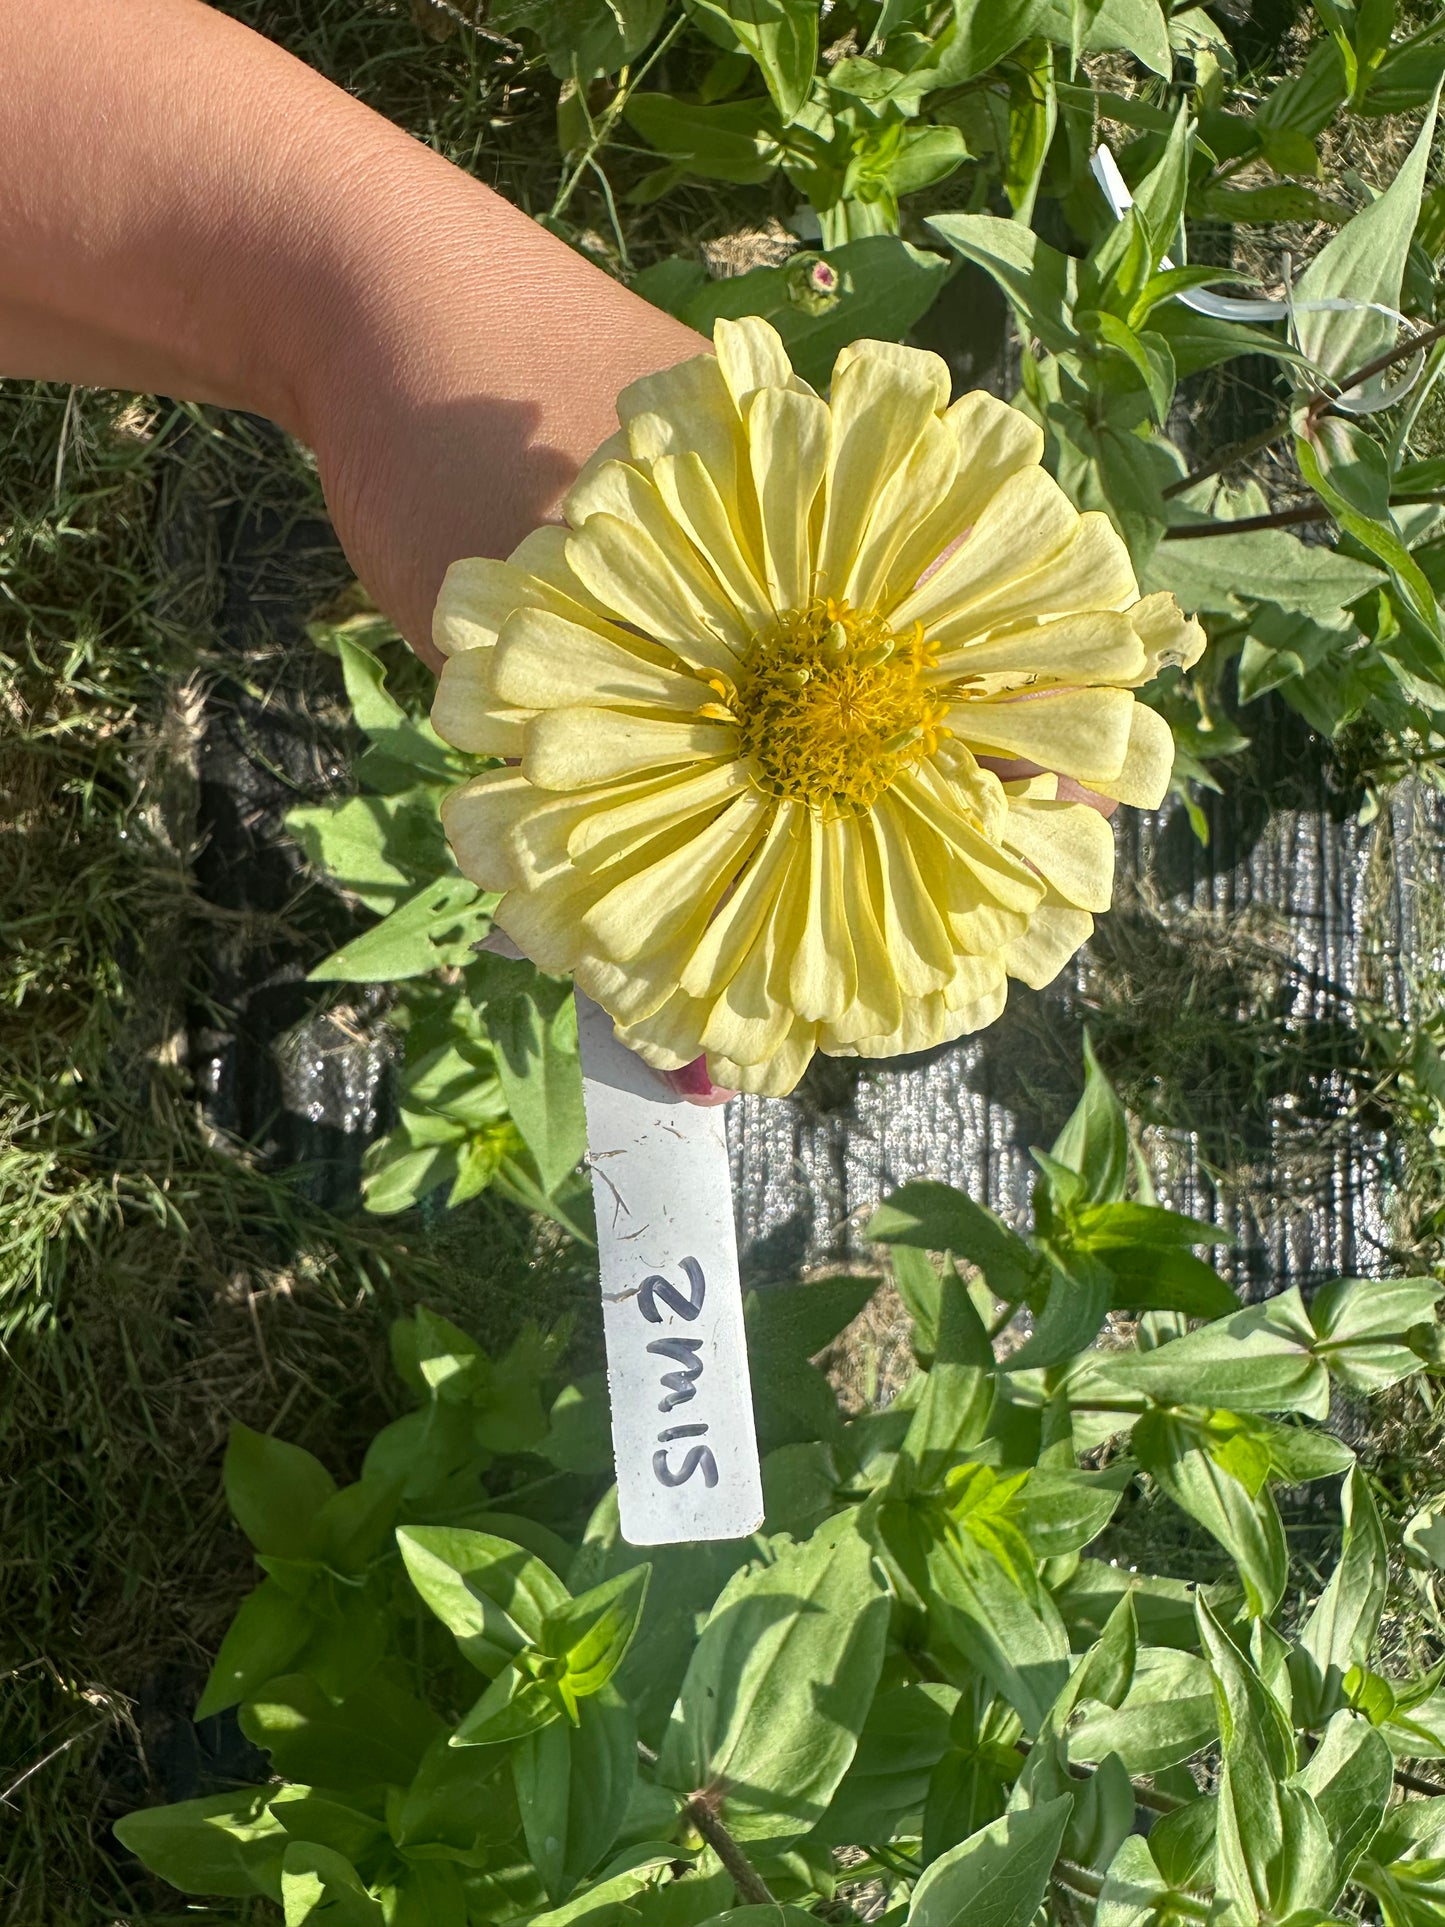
x: 1321, y: 405
x: 1235, y: 452
x: 1246, y: 524
x: 751, y: 1886
x: 1416, y: 1782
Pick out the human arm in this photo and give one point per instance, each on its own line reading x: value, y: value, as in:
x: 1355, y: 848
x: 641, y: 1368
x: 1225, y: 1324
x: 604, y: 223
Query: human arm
x: 186, y: 209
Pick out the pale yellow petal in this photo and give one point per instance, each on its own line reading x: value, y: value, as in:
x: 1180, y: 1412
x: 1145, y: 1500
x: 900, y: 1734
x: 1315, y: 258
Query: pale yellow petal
x: 545, y: 662
x: 748, y: 1021
x: 750, y: 356
x: 993, y: 442
x: 570, y: 749
x: 1083, y: 733
x: 687, y: 407
x: 907, y: 498
x: 664, y: 593
x: 975, y: 996
x: 478, y: 594
x: 610, y: 831
x: 774, y: 1075
x: 915, y: 926
x: 717, y: 530
x: 624, y: 494
x: 975, y: 861
x: 1070, y: 845
x: 477, y: 818
x: 877, y: 1004
x: 788, y: 450
x: 1091, y: 571
x: 878, y: 408
x: 1055, y: 933
x: 917, y: 367
x: 665, y: 1037
x: 739, y: 921
x: 681, y: 886
x: 1093, y: 646
x: 545, y: 921
x: 465, y: 710
x: 1023, y: 527
x: 1148, y: 762
x: 1170, y: 638
x: 821, y: 972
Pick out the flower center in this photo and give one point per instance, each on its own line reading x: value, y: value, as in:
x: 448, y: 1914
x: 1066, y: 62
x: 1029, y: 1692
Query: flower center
x: 832, y: 706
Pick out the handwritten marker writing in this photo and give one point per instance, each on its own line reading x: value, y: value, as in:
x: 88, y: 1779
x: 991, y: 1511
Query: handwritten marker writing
x: 677, y: 1364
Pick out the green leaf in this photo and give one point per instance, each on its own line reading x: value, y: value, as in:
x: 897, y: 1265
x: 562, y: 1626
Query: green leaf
x: 459, y: 1797
x: 1350, y: 1778
x: 780, y: 1684
x: 1041, y: 282
x: 602, y: 1904
x: 904, y: 1737
x: 1165, y: 1278
x: 493, y: 1596
x: 1176, y: 1455
x: 1167, y: 1716
x: 983, y: 33
x: 1182, y: 1843
x: 573, y: 1787
x: 378, y: 1732
x: 880, y: 287
x: 1220, y: 574
x: 1033, y: 115
x: 1060, y: 1512
x: 983, y: 1584
x: 377, y: 848
x: 780, y: 35
x: 1341, y: 1627
x: 1364, y: 262
x: 1258, y: 1359
x: 321, y: 1888
x: 581, y: 38
x: 415, y: 745
x: 436, y: 927
x: 1348, y: 471
x: 542, y: 1081
x: 733, y: 140
x: 1164, y: 1608
x: 1273, y: 1849
x: 269, y: 1630
x: 953, y: 1407
x: 998, y: 1876
x: 275, y: 1491
x: 936, y: 1217
x: 512, y: 1707
x: 593, y: 1632
x: 1363, y: 1325
x: 765, y: 1916
x: 225, y: 1844
x: 1079, y: 1295
x: 1133, y: 1887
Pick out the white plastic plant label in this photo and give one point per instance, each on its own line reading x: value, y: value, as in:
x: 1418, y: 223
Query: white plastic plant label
x: 677, y: 1363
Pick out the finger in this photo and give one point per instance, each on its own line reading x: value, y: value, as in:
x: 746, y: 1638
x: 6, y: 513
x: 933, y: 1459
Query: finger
x: 1014, y: 770
x: 693, y: 1083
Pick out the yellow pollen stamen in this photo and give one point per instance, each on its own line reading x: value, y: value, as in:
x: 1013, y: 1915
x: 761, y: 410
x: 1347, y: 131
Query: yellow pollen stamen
x: 832, y: 706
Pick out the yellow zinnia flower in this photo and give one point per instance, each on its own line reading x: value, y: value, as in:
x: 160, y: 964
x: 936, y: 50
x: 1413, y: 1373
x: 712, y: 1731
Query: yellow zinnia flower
x: 749, y: 691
